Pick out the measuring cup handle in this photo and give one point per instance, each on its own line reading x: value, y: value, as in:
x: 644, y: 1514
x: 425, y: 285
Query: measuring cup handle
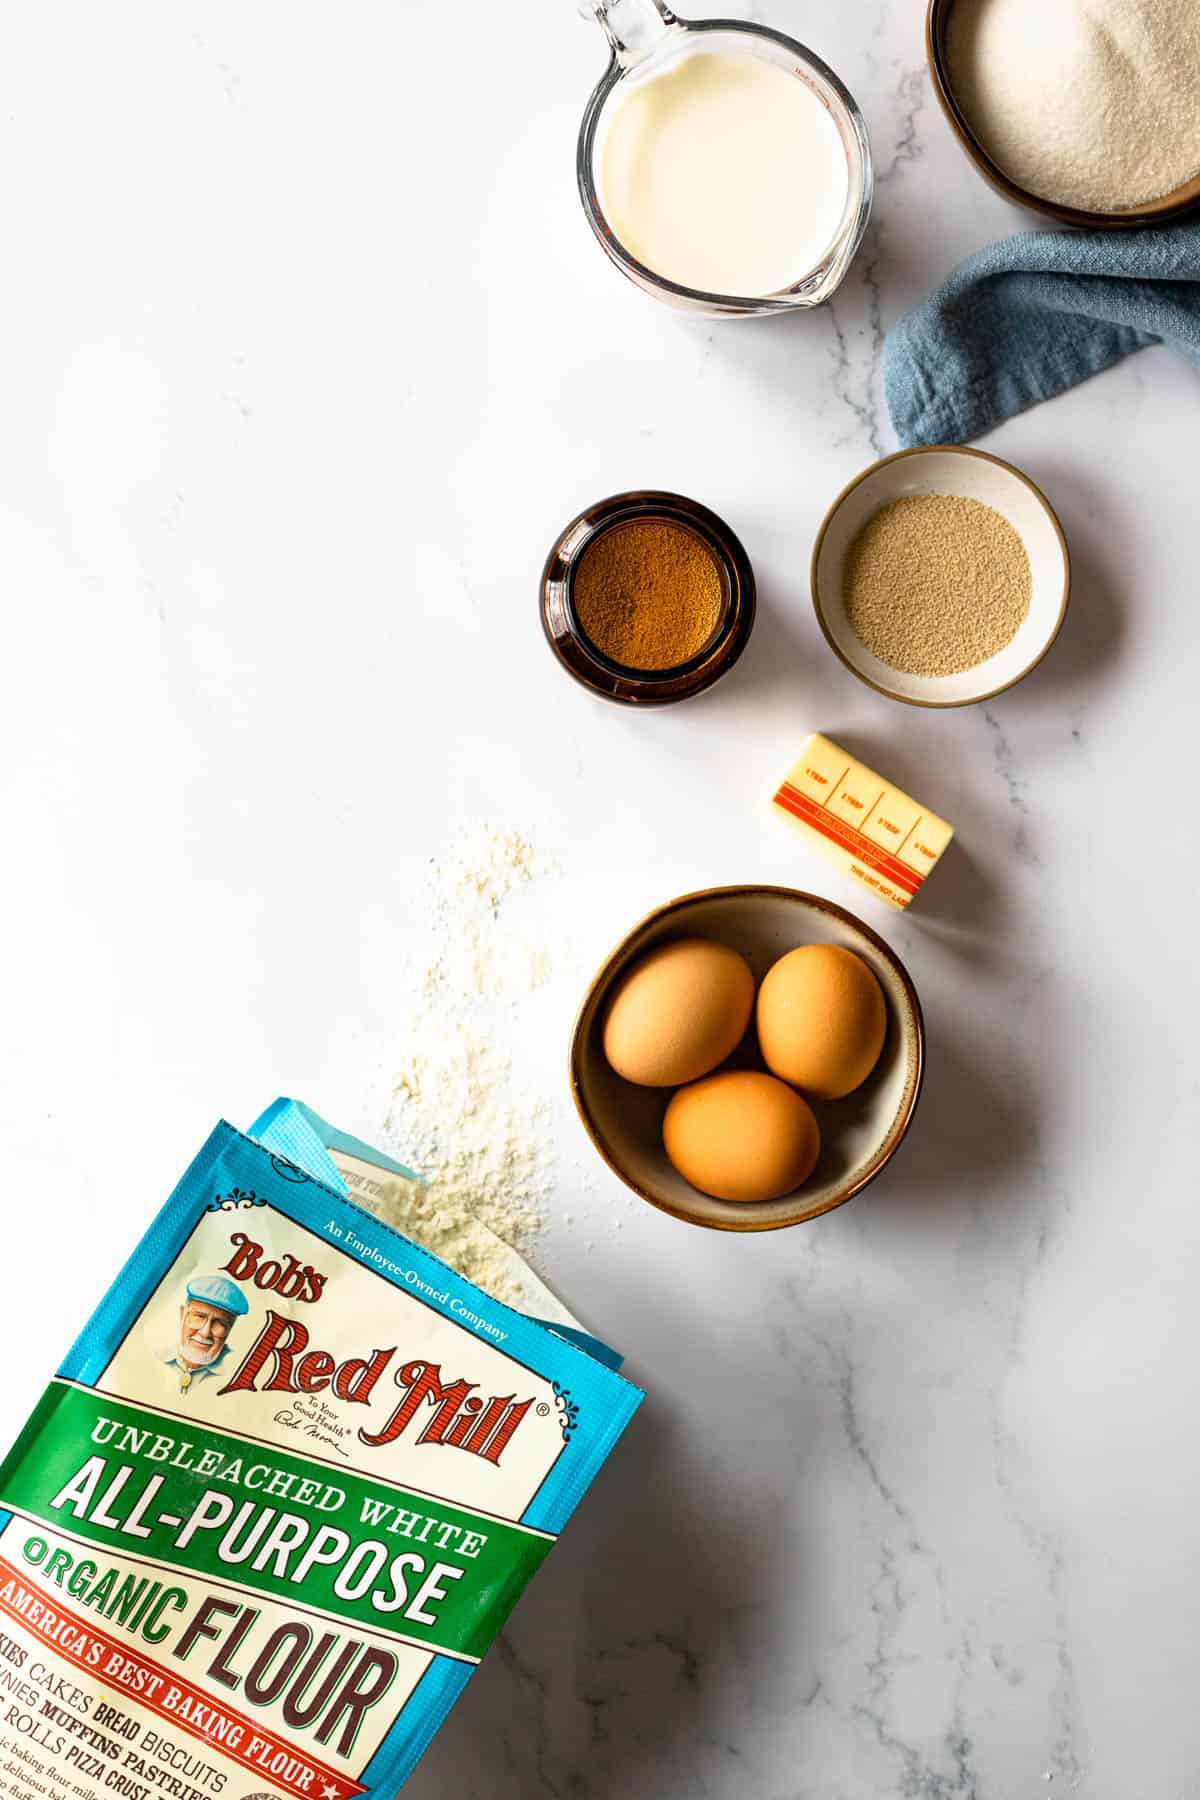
x: 633, y: 27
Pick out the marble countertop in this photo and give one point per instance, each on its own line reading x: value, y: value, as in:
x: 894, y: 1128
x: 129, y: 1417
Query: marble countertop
x: 308, y: 353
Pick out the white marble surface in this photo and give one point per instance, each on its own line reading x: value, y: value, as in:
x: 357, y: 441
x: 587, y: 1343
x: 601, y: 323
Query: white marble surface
x: 307, y: 353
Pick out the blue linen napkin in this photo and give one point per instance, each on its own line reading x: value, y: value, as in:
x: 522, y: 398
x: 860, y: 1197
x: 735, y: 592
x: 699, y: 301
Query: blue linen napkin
x: 1033, y: 315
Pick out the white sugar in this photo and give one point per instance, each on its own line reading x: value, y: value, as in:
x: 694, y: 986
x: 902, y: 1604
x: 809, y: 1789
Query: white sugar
x: 1093, y: 104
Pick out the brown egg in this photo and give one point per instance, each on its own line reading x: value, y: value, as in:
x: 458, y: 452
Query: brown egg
x: 741, y: 1135
x: 822, y: 1020
x: 678, y: 1012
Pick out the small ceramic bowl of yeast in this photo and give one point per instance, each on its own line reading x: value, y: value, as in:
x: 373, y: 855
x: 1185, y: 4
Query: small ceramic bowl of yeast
x: 953, y: 471
x: 859, y: 1134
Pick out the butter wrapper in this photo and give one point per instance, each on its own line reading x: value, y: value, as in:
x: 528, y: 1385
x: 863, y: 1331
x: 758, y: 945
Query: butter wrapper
x: 861, y: 822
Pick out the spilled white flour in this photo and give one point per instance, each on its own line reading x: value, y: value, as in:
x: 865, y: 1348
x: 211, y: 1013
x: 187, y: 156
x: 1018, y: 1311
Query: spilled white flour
x: 458, y: 1117
x: 483, y: 1151
x: 475, y: 957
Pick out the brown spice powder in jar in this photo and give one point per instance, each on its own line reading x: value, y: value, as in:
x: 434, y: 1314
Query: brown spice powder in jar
x: 935, y: 584
x: 649, y: 593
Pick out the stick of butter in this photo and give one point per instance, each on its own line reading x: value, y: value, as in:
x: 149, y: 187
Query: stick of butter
x: 860, y: 822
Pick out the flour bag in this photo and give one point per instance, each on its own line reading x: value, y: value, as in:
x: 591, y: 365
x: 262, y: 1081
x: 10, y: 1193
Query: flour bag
x: 281, y: 1496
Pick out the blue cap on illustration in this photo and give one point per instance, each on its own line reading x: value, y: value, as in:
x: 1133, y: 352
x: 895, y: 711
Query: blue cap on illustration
x: 218, y: 1290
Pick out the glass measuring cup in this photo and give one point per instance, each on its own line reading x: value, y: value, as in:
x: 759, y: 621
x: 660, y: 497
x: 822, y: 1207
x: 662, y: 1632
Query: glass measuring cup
x: 647, y: 39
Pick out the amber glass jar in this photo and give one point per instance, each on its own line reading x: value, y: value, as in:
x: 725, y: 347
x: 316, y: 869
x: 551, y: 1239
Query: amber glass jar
x: 587, y: 662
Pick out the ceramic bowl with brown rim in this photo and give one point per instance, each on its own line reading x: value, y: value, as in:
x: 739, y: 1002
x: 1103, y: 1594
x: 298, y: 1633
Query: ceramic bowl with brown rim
x: 974, y: 475
x: 859, y: 1135
x: 1180, y: 200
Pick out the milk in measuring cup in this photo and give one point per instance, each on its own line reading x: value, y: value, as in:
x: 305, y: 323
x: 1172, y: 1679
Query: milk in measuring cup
x: 725, y: 173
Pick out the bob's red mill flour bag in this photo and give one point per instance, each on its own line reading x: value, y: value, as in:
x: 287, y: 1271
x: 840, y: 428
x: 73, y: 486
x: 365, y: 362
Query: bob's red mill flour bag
x: 281, y: 1495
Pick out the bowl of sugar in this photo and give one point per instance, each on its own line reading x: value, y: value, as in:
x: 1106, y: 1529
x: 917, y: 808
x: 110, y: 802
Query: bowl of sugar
x: 941, y: 576
x: 1032, y: 92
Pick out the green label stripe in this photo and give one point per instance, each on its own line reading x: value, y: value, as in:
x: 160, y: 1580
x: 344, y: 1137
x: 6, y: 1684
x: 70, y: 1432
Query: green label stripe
x: 187, y: 1469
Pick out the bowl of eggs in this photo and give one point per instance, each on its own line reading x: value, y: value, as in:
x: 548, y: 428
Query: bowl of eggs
x: 748, y: 1057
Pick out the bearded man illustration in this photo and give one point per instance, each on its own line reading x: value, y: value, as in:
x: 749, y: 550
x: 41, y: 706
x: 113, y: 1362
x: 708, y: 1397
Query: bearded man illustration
x: 212, y: 1303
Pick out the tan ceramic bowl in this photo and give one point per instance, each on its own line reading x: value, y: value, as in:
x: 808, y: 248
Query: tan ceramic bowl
x: 1151, y: 212
x: 945, y: 469
x: 859, y: 1134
